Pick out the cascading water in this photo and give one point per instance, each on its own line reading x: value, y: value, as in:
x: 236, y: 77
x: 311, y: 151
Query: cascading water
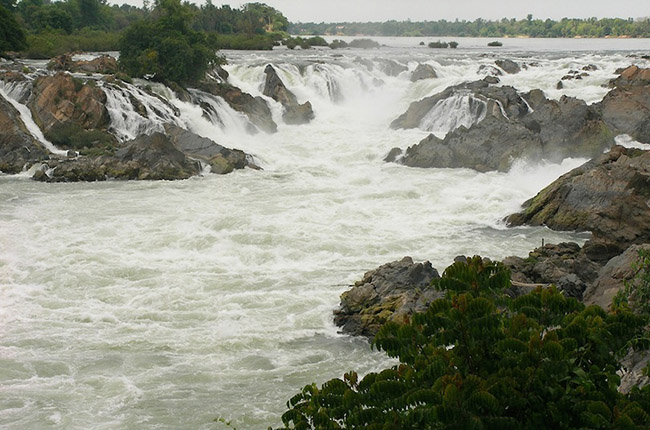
x: 453, y: 112
x: 155, y: 305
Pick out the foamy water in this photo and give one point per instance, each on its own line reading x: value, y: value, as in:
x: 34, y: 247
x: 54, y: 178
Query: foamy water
x: 164, y: 305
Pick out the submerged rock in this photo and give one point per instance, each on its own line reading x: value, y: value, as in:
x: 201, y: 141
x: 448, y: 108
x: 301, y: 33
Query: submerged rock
x: 607, y: 196
x: 294, y: 113
x: 391, y: 292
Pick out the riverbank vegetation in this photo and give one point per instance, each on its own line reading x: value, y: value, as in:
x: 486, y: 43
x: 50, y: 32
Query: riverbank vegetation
x: 530, y: 27
x: 479, y: 359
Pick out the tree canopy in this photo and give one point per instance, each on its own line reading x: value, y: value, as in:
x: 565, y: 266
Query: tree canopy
x: 477, y: 359
x: 165, y: 47
x: 12, y: 36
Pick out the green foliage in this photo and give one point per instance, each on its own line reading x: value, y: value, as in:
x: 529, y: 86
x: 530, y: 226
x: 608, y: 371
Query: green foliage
x: 50, y: 44
x: 590, y: 27
x: 438, y: 44
x: 337, y: 43
x: 495, y: 43
x: 636, y: 291
x: 87, y: 142
x: 364, y: 44
x: 165, y: 47
x: 260, y: 42
x: 475, y: 360
x: 12, y: 36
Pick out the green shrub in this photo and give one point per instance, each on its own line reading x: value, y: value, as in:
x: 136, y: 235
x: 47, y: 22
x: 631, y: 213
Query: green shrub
x: 438, y: 44
x: 72, y: 136
x: 477, y: 359
x: 453, y: 45
x: 364, y: 44
x: 317, y: 41
x: 243, y: 42
x: 337, y: 43
x: 495, y: 43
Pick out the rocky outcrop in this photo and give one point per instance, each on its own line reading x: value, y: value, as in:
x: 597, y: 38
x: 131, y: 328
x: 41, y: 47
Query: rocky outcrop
x: 389, y: 67
x: 255, y: 108
x: 104, y: 64
x: 18, y: 148
x: 423, y: 71
x: 550, y: 130
x: 607, y: 196
x: 391, y: 292
x: 221, y: 160
x: 175, y: 154
x: 508, y: 66
x: 294, y: 113
x: 62, y: 99
x: 626, y: 108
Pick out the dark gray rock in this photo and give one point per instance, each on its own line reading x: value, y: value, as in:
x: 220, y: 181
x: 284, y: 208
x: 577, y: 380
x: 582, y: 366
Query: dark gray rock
x: 508, y: 66
x: 423, y: 71
x: 295, y: 113
x: 391, y: 292
x: 390, y: 67
x: 607, y: 196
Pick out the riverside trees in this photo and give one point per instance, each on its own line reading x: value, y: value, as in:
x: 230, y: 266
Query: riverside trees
x: 477, y: 359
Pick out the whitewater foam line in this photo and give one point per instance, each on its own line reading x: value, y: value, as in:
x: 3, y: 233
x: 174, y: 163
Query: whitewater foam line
x: 32, y: 128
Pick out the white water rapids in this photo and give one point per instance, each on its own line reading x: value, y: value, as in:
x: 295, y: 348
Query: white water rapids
x: 165, y: 305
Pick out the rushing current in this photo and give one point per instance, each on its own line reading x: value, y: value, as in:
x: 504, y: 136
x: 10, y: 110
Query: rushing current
x: 169, y: 305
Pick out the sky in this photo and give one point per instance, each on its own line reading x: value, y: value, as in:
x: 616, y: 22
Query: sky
x: 433, y: 10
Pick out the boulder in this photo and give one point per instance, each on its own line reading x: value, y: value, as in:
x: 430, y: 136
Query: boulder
x: 509, y: 126
x: 612, y: 277
x: 389, y: 67
x: 294, y: 113
x: 607, y: 196
x: 423, y: 71
x: 104, y: 64
x: 489, y: 70
x: 626, y: 108
x: 62, y: 99
x: 508, y: 66
x: 18, y: 148
x: 255, y: 108
x: 391, y: 292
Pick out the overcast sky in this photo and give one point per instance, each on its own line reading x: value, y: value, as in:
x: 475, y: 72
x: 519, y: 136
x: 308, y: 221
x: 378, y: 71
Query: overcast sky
x: 420, y: 10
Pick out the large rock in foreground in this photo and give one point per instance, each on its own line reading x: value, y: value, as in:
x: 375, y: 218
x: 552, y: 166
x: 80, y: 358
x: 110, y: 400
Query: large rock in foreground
x: 391, y: 292
x: 607, y: 196
x: 294, y: 113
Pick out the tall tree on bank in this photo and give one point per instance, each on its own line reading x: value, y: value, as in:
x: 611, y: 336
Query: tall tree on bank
x: 12, y: 36
x: 165, y: 48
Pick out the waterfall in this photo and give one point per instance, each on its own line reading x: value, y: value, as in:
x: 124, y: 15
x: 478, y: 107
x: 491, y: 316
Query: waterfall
x: 135, y: 112
x: 217, y: 111
x: 452, y: 112
x: 26, y: 116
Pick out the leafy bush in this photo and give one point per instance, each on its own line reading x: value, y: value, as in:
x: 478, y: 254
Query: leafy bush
x: 337, y: 43
x: 453, y: 44
x: 438, y: 44
x: 479, y: 360
x: 52, y: 43
x: 72, y: 136
x: 636, y: 291
x: 317, y: 41
x: 167, y: 48
x: 12, y: 36
x: 495, y: 43
x: 242, y: 42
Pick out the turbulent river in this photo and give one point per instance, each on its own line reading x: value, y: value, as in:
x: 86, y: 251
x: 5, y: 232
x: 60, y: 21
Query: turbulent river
x: 165, y: 305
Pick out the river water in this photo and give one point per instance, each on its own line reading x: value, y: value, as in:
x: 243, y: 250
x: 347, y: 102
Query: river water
x: 167, y: 305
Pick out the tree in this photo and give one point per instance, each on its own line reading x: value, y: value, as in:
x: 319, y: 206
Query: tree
x: 165, y: 47
x: 12, y: 36
x: 479, y: 360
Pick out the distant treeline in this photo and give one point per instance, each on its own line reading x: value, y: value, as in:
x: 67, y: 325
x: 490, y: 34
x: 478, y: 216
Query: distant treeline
x: 52, y: 27
x: 591, y: 27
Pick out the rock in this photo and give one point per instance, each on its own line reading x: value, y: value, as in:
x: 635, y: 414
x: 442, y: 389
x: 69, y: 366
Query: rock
x: 564, y: 265
x: 626, y: 108
x: 489, y: 70
x: 221, y: 160
x: 506, y: 96
x: 152, y: 157
x: 559, y: 85
x: 62, y: 99
x: 295, y: 113
x: 18, y: 148
x: 391, y: 292
x: 393, y: 155
x: 551, y: 130
x: 423, y: 71
x: 508, y: 66
x: 612, y: 276
x: 389, y: 67
x: 607, y: 196
x: 590, y: 68
x: 104, y: 64
x: 255, y: 108
x: 366, y: 63
x: 492, y: 80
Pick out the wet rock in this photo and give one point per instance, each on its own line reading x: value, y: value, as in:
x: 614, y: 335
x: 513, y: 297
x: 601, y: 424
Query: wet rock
x: 18, y: 148
x: 104, y: 64
x: 508, y: 66
x: 486, y: 69
x: 255, y: 108
x: 423, y: 71
x: 294, y: 113
x: 626, y: 108
x: 607, y: 196
x: 391, y: 292
x: 389, y: 67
